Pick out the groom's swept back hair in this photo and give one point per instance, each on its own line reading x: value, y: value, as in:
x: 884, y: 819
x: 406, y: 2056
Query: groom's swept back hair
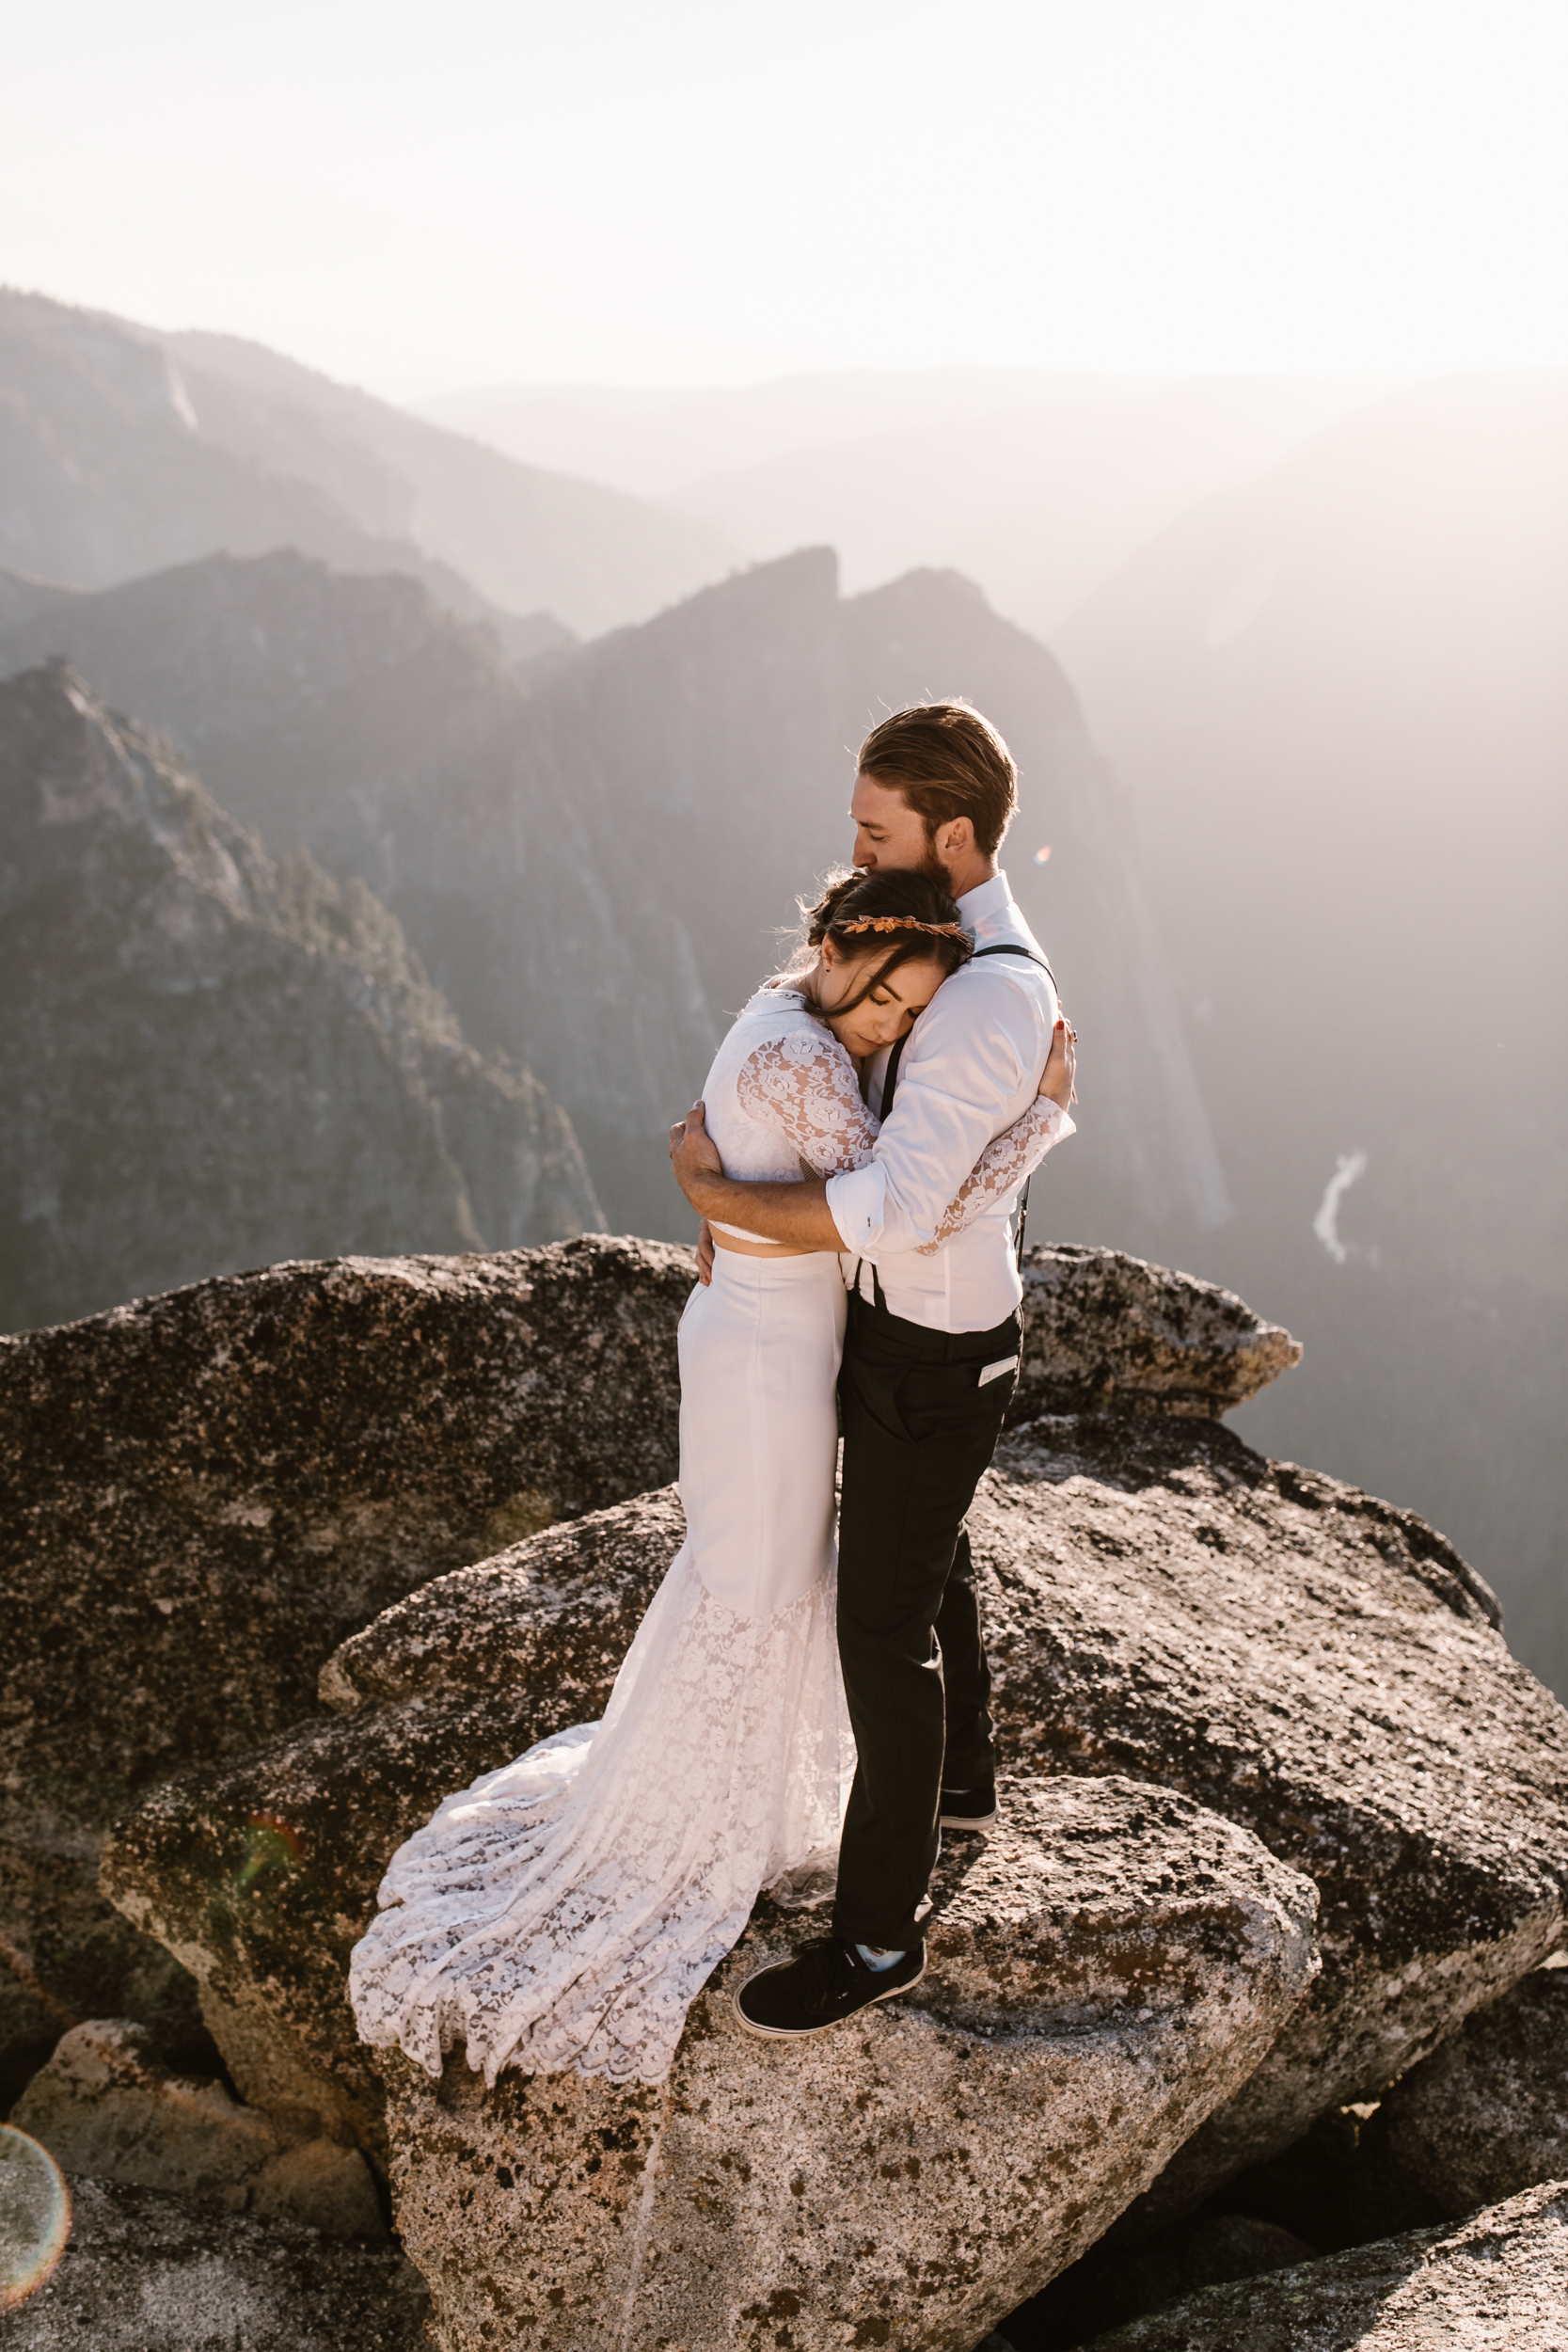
x: 947, y: 761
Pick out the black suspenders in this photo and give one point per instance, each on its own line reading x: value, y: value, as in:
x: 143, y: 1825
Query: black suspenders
x: 1005, y: 947
x: 1012, y: 947
x: 890, y: 1087
x: 890, y: 1076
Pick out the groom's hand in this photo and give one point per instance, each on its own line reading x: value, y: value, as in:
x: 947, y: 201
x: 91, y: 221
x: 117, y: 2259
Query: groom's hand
x: 694, y: 1153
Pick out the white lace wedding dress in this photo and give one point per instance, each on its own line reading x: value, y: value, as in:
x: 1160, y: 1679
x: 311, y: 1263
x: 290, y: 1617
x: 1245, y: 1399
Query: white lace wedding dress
x: 566, y: 1910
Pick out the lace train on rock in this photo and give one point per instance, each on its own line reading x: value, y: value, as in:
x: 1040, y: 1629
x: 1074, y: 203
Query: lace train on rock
x: 566, y: 1909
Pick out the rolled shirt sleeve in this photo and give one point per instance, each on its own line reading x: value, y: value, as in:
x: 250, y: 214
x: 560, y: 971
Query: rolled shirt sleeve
x: 855, y: 1205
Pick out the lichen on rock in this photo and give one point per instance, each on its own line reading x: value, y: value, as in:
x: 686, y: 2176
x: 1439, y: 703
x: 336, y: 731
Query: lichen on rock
x: 1103, y: 1332
x: 1099, y: 1972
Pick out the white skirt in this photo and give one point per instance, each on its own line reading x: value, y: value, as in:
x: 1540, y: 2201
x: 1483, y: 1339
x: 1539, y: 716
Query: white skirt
x: 566, y: 1909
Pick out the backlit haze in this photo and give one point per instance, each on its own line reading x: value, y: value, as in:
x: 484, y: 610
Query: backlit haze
x: 1218, y: 353
x: 420, y: 199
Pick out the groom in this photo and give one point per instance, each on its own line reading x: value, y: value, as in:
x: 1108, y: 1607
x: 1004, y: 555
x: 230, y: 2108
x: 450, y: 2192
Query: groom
x: 930, y: 1361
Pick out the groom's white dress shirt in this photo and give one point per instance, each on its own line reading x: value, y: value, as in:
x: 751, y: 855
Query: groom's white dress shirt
x: 972, y: 1065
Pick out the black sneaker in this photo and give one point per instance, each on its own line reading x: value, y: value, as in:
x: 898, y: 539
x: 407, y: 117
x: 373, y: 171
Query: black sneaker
x: 826, y: 1983
x: 969, y: 1808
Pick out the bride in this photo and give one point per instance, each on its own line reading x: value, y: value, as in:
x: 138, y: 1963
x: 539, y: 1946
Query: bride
x: 566, y: 1910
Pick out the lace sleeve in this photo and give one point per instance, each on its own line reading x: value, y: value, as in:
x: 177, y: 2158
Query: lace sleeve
x: 1005, y: 1161
x: 804, y: 1085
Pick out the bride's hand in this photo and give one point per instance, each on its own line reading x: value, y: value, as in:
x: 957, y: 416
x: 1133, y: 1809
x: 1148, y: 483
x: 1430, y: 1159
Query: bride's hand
x: 1061, y: 1065
x: 694, y: 1153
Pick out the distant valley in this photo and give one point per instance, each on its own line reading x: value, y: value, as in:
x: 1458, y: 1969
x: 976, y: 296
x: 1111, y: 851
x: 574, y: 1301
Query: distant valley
x: 518, y: 776
x: 1339, y: 696
x: 1038, y: 486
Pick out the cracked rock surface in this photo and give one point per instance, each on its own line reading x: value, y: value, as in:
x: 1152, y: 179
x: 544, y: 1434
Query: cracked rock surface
x: 1101, y: 1971
x: 208, y: 1490
x: 149, y: 2273
x: 1487, y: 2114
x: 1308, y: 1660
x: 1495, y: 2283
x: 107, y: 2106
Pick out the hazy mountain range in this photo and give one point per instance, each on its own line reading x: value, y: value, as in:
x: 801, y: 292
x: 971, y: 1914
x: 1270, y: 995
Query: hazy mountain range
x: 1340, y: 697
x: 1038, y: 486
x: 595, y: 854
x: 1302, y: 890
x: 122, y: 450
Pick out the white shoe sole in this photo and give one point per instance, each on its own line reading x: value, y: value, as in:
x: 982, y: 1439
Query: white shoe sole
x: 803, y: 2033
x: 968, y: 1820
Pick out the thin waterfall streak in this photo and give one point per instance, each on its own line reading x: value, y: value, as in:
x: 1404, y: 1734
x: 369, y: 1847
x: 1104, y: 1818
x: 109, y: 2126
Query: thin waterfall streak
x: 1326, y: 1225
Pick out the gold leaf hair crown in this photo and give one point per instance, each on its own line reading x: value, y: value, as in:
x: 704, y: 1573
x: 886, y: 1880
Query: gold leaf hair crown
x: 901, y: 923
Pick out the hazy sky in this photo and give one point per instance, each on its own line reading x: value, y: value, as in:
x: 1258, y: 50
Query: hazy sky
x: 420, y: 198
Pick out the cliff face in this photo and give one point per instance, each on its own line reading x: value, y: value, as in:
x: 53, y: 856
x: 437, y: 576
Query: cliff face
x: 594, y: 855
x: 210, y: 1060
x: 307, y: 699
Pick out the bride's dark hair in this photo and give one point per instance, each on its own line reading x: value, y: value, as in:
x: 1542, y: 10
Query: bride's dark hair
x: 884, y: 919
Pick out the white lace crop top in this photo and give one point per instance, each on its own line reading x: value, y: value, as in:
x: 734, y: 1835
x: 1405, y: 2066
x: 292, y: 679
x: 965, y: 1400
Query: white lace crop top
x: 782, y: 1103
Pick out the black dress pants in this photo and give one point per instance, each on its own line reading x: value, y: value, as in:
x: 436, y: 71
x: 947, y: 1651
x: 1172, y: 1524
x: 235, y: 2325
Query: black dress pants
x: 918, y: 1431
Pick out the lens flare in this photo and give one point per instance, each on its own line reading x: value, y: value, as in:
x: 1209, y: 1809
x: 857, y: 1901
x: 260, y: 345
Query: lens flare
x: 35, y: 2216
x: 1042, y: 857
x: 269, y: 1845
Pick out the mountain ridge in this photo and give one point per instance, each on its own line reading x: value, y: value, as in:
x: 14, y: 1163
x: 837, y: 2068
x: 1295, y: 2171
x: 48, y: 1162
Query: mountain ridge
x: 215, y: 1058
x: 129, y: 450
x: 595, y: 856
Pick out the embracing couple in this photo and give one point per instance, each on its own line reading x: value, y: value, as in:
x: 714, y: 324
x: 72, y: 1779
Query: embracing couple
x: 795, y: 1715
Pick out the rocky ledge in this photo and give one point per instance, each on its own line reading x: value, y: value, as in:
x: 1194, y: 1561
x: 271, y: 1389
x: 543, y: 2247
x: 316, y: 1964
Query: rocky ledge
x: 1317, y: 1665
x: 1105, y: 1333
x: 208, y: 1490
x: 1210, y: 1669
x: 1294, y: 1657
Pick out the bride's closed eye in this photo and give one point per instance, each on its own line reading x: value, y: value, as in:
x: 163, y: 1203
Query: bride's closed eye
x: 881, y: 1000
